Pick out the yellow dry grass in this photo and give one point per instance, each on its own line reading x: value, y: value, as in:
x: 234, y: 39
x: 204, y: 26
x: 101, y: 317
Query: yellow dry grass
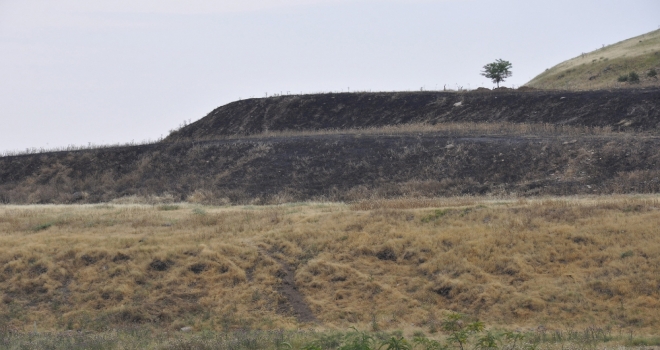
x: 396, y: 264
x: 449, y: 128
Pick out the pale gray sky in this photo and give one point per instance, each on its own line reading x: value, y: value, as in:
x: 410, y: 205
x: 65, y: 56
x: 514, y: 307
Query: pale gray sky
x: 80, y: 71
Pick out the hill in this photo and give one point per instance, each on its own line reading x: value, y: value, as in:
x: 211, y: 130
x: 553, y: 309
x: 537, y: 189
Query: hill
x: 344, y: 167
x: 629, y: 110
x: 603, y: 68
x: 440, y: 214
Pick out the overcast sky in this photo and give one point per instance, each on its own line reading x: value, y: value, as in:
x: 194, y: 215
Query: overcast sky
x: 100, y: 72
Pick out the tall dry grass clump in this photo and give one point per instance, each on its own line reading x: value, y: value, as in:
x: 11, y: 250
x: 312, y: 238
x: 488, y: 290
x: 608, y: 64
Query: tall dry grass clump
x: 556, y: 262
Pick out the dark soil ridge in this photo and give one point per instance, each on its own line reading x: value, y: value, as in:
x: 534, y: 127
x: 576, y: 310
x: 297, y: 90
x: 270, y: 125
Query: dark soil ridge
x: 339, y: 167
x: 195, y: 165
x: 634, y: 109
x: 295, y: 301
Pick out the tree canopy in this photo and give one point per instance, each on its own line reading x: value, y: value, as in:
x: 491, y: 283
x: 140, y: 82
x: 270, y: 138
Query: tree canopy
x: 497, y: 71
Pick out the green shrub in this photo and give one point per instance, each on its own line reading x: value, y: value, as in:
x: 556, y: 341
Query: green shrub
x: 42, y: 227
x: 644, y: 342
x: 459, y: 332
x: 199, y: 211
x: 633, y: 77
x: 487, y: 341
x: 419, y: 334
x: 652, y: 73
x: 436, y: 215
x: 395, y: 343
x: 424, y: 343
x: 168, y: 207
x: 622, y: 78
x: 358, y: 341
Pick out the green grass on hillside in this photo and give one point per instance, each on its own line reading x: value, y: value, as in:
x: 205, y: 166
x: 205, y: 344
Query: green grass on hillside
x: 603, y: 68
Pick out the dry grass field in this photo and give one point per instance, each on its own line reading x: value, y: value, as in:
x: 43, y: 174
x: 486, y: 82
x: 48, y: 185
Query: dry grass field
x: 402, y: 264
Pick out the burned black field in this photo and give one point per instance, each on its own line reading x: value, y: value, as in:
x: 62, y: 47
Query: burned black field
x: 348, y: 147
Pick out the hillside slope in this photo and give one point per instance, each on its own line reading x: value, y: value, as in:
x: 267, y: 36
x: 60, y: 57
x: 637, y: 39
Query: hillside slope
x: 638, y: 110
x: 342, y: 167
x: 350, y: 147
x: 601, y: 69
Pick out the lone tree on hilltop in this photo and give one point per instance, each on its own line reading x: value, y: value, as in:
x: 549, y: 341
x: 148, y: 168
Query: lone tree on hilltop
x: 497, y: 71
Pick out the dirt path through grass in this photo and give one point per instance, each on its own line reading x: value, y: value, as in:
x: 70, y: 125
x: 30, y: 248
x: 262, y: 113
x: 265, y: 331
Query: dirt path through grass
x: 295, y: 300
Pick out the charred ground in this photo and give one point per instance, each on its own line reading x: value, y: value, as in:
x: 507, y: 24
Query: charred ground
x: 602, y: 142
x: 619, y: 109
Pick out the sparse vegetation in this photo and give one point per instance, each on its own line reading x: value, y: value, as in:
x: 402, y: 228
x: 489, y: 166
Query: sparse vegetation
x: 652, y: 73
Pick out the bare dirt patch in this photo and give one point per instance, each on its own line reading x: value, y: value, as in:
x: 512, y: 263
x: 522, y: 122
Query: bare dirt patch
x: 295, y: 302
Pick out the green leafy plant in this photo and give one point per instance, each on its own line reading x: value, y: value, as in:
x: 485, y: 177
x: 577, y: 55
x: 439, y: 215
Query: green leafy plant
x: 487, y: 341
x: 652, y: 73
x: 357, y: 340
x: 622, y: 78
x: 497, y: 71
x: 512, y: 338
x: 395, y: 343
x: 428, y: 344
x: 458, y: 331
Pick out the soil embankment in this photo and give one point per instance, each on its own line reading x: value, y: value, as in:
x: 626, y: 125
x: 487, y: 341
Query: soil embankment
x: 339, y: 167
x: 620, y: 110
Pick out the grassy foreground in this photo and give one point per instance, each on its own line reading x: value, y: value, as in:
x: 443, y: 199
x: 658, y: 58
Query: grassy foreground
x: 551, y: 264
x: 312, y: 340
